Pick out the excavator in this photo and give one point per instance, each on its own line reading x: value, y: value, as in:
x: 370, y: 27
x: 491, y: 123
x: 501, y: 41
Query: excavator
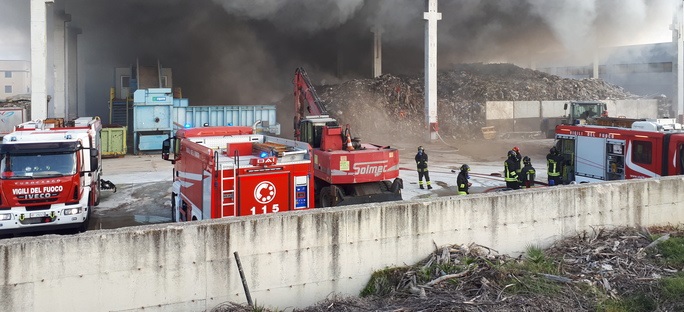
x: 346, y: 171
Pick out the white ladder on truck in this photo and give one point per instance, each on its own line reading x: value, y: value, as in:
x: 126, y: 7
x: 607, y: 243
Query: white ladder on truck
x: 228, y: 193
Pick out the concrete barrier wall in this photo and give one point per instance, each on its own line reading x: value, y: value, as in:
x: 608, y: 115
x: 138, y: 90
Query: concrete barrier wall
x: 296, y: 259
x: 523, y: 116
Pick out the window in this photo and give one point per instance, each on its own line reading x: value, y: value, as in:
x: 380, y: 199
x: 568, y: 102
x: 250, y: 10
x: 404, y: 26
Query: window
x: 8, y: 89
x: 125, y: 82
x: 8, y: 74
x: 641, y: 152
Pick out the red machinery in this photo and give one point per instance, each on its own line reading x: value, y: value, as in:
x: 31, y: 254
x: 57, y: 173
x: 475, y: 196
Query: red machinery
x: 231, y: 171
x: 346, y: 171
x: 647, y: 149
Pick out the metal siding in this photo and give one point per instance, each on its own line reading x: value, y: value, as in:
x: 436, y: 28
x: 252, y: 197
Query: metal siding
x: 592, y: 162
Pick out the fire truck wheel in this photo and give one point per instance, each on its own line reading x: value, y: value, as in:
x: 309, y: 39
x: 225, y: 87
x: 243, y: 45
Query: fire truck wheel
x: 327, y: 197
x: 84, y: 226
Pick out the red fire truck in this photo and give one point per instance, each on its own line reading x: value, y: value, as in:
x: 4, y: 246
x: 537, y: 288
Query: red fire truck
x: 231, y: 171
x: 347, y: 171
x: 50, y: 175
x: 649, y: 148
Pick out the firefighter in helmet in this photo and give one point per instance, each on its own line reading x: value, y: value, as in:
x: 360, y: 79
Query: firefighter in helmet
x: 511, y: 169
x: 554, y: 163
x: 422, y: 167
x: 462, y: 180
x: 527, y: 174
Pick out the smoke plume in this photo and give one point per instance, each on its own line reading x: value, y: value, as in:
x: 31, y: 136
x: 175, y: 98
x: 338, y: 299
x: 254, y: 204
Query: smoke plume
x: 238, y: 52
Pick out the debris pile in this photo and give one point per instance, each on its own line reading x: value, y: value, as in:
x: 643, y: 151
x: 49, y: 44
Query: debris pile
x: 599, y: 270
x: 395, y: 104
x: 21, y: 101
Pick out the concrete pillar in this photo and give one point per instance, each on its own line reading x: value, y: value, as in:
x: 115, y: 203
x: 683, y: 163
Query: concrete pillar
x: 57, y: 108
x: 377, y: 50
x: 39, y: 54
x: 679, y: 107
x: 72, y: 73
x: 431, y: 16
x: 595, y: 69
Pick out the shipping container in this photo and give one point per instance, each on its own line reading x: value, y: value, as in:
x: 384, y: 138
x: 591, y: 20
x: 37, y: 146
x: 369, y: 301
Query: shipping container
x: 113, y: 141
x: 228, y: 115
x: 10, y: 117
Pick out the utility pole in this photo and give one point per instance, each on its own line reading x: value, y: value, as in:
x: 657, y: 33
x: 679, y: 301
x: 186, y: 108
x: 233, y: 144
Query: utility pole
x: 377, y: 50
x: 431, y: 16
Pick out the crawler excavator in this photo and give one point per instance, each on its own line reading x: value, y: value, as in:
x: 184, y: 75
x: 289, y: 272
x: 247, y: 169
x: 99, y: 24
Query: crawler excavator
x: 346, y: 171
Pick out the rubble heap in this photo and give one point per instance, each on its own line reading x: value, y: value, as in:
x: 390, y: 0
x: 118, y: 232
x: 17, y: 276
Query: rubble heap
x: 388, y: 105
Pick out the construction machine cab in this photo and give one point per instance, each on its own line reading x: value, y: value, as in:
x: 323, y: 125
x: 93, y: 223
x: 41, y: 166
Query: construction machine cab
x: 583, y: 112
x: 321, y: 132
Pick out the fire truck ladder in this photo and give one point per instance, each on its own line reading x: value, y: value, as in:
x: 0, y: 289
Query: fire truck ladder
x: 228, y: 193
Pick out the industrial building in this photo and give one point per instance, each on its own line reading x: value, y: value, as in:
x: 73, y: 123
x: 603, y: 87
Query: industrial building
x: 15, y: 78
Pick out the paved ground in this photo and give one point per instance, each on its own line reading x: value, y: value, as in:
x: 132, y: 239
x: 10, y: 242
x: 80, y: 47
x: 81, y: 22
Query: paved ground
x: 144, y: 181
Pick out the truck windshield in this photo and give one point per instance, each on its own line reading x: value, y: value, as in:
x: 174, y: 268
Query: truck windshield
x: 18, y: 166
x: 586, y: 110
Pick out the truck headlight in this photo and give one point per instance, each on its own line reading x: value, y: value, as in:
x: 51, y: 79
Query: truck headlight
x: 5, y: 216
x: 71, y: 211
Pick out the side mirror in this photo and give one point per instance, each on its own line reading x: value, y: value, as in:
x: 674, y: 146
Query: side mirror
x: 166, y: 148
x: 94, y: 152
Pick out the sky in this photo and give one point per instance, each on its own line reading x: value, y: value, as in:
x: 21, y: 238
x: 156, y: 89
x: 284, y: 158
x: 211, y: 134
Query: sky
x: 240, y: 52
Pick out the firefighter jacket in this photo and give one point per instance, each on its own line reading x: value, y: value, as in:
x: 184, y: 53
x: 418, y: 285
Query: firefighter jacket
x: 554, y: 163
x: 511, y: 168
x: 527, y: 176
x: 518, y: 157
x: 422, y: 161
x: 462, y: 182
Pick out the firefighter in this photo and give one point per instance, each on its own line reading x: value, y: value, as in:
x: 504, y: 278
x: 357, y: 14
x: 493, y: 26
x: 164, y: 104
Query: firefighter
x: 511, y: 169
x: 528, y: 174
x: 518, y: 157
x: 422, y: 166
x: 554, y: 162
x: 462, y: 180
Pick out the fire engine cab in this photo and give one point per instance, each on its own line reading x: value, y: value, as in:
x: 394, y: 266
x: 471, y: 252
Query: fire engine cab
x: 50, y: 175
x: 231, y: 171
x: 647, y: 149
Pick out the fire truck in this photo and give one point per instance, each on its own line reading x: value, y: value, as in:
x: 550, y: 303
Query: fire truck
x: 646, y: 149
x: 346, y: 171
x: 50, y: 175
x: 232, y: 171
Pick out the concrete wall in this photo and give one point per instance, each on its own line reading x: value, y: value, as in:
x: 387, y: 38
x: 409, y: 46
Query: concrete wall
x: 295, y: 259
x: 526, y: 116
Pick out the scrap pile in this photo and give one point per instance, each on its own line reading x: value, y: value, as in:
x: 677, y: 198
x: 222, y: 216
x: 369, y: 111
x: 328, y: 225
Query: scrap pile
x: 394, y: 104
x: 580, y: 273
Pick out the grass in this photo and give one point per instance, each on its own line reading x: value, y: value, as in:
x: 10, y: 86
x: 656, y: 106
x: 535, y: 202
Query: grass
x: 673, y: 287
x: 525, y: 275
x: 383, y: 282
x: 672, y: 251
x: 637, y: 303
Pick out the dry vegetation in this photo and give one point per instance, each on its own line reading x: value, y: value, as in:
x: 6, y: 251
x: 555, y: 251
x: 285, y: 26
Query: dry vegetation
x: 623, y: 269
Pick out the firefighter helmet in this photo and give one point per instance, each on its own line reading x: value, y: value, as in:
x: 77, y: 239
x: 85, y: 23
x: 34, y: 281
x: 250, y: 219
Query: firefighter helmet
x: 527, y: 160
x: 516, y: 149
x: 465, y: 168
x: 420, y: 148
x: 511, y: 153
